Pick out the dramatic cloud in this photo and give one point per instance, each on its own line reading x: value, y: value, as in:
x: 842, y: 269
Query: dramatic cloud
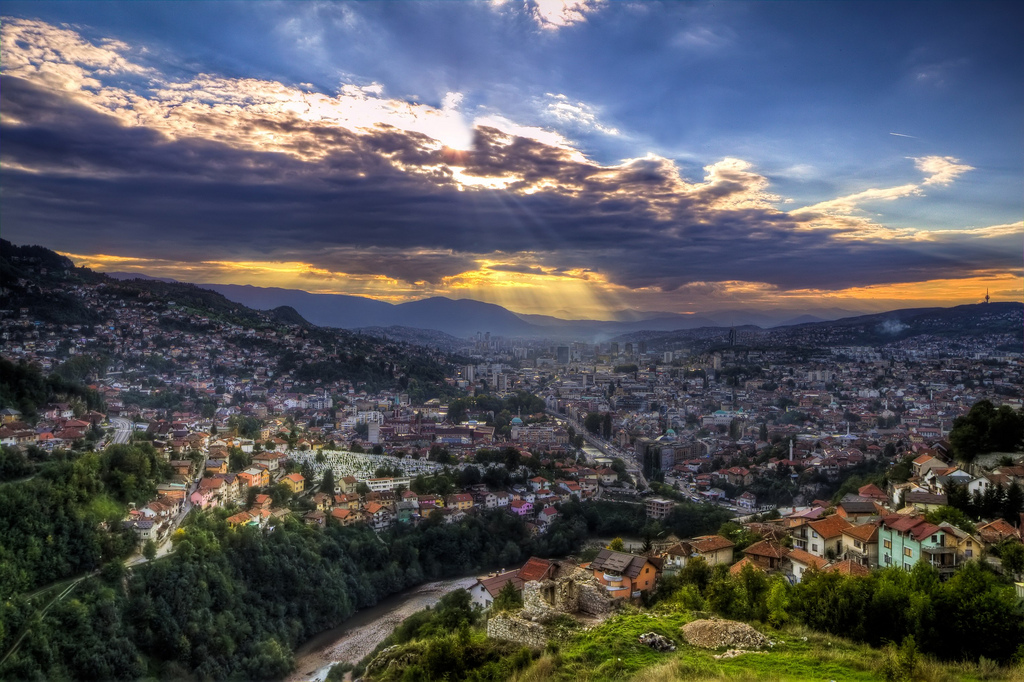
x: 555, y: 14
x: 252, y: 179
x: 578, y: 114
x: 941, y: 170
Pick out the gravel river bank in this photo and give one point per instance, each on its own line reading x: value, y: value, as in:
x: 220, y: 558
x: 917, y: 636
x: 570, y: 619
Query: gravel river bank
x: 360, y: 634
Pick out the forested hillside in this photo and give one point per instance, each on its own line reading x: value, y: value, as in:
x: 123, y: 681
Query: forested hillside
x: 66, y: 520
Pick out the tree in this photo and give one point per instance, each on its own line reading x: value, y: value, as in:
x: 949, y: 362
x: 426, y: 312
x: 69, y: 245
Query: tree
x: 592, y: 422
x: 509, y: 599
x: 616, y: 545
x: 900, y: 664
x: 238, y: 460
x: 1013, y: 503
x: 440, y: 455
x: 149, y: 550
x: 951, y: 515
x: 778, y: 603
x: 984, y: 429
x: 1012, y: 556
x: 327, y: 484
x: 308, y: 473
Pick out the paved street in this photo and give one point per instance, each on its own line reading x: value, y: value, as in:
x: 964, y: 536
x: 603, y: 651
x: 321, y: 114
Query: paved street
x: 122, y: 430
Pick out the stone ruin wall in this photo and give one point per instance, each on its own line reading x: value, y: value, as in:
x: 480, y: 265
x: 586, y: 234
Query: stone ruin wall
x: 576, y: 592
x: 511, y: 628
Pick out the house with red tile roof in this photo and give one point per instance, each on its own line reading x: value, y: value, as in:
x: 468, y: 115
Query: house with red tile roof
x: 521, y: 507
x: 800, y: 562
x: 296, y: 482
x: 738, y: 567
x: 860, y: 544
x: 537, y: 569
x: 208, y: 493
x: 767, y: 554
x: 547, y: 515
x: 904, y: 540
x: 825, y: 536
x: 848, y: 567
x: 486, y: 589
x: 714, y: 549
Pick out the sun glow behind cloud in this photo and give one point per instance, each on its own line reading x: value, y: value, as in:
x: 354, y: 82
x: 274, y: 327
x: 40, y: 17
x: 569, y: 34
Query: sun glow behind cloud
x: 569, y: 232
x: 535, y: 289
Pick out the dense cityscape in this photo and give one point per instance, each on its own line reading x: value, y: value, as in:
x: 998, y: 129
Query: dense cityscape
x: 491, y: 341
x: 815, y: 456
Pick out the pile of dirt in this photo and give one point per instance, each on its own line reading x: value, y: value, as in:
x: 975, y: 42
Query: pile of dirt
x: 715, y: 633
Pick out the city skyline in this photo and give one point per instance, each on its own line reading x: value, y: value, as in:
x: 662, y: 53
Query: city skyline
x: 548, y: 157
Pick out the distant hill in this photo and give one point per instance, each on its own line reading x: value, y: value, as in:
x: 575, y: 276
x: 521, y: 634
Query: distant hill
x: 419, y: 337
x: 22, y: 268
x: 971, y: 322
x: 286, y: 314
x: 460, y: 318
x: 41, y: 281
x: 465, y: 317
x: 964, y: 320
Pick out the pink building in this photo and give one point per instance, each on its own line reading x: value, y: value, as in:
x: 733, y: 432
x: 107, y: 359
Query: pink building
x: 521, y: 507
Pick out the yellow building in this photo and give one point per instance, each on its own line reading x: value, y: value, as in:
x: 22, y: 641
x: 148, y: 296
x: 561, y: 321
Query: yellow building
x: 295, y: 482
x: 462, y: 501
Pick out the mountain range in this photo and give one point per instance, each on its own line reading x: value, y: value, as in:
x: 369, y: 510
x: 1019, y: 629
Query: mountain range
x: 465, y: 317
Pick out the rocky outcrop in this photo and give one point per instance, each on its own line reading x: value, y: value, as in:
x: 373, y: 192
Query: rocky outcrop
x: 398, y: 656
x: 657, y: 642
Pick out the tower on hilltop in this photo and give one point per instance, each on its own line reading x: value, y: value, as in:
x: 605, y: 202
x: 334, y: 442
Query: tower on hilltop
x: 986, y: 295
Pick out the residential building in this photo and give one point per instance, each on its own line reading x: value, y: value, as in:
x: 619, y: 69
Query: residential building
x: 860, y: 544
x: 295, y: 482
x: 659, y: 507
x: 905, y: 540
x: 714, y: 549
x: 825, y: 536
x: 625, y: 576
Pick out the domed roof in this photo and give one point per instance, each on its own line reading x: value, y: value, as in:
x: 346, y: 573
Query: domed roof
x: 517, y: 421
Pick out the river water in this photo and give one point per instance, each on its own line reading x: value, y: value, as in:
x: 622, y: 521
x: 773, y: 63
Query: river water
x: 360, y: 634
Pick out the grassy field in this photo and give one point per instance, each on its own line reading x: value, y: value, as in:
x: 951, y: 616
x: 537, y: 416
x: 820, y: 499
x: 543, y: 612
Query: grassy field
x: 611, y: 651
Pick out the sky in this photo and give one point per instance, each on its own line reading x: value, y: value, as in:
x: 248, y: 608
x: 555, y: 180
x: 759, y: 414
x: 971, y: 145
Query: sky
x: 570, y: 158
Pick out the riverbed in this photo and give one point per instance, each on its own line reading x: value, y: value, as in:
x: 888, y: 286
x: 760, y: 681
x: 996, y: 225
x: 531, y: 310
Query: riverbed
x: 360, y: 634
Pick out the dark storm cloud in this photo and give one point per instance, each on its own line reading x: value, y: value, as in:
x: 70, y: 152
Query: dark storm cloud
x: 385, y: 201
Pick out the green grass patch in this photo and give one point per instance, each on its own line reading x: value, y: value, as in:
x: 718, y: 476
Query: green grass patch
x: 611, y: 651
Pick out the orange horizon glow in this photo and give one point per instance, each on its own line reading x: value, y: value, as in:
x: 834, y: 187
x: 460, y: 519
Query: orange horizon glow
x: 571, y: 294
